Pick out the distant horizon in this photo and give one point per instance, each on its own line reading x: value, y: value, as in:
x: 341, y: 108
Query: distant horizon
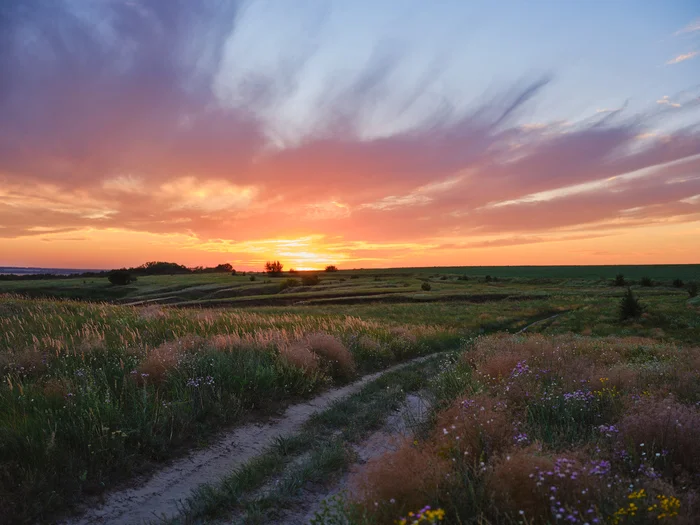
x: 286, y: 269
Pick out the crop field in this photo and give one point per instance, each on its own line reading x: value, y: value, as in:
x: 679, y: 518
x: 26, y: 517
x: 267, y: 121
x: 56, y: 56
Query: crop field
x: 543, y: 404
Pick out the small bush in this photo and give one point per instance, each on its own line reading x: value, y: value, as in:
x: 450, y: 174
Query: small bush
x: 354, y: 277
x: 630, y: 307
x: 292, y: 271
x: 331, y: 268
x: 333, y: 353
x: 693, y: 289
x: 299, y: 356
x: 310, y: 280
x: 646, y: 281
x: 252, y: 277
x: 488, y: 279
x: 619, y: 280
x: 462, y: 278
x: 421, y: 473
x: 233, y: 273
x: 289, y: 283
x: 120, y: 277
x: 678, y: 283
x: 425, y: 287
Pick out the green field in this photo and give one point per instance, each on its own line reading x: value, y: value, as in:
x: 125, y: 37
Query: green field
x: 102, y: 382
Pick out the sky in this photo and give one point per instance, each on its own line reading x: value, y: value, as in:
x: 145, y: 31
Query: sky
x: 364, y: 133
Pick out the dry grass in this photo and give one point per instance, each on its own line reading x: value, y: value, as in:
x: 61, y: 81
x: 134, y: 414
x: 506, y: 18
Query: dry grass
x: 333, y: 353
x: 667, y: 427
x: 299, y: 356
x: 393, y: 484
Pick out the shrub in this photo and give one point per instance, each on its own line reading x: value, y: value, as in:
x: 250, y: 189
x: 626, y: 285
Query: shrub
x: 488, y: 279
x: 310, y: 280
x: 233, y: 273
x: 252, y: 277
x: 462, y: 278
x: 630, y: 308
x: 292, y: 271
x: 678, y: 283
x: 443, y: 278
x: 420, y: 471
x: 119, y: 277
x: 693, y: 289
x: 331, y: 268
x: 619, y: 280
x: 289, y: 283
x: 273, y: 267
x: 333, y: 353
x: 666, y: 427
x: 646, y: 281
x: 425, y: 287
x: 298, y: 355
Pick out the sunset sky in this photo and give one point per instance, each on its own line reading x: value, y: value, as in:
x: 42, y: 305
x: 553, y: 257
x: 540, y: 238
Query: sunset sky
x: 360, y: 133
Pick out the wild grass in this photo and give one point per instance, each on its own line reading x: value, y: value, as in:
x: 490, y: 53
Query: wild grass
x: 93, y: 393
x: 563, y: 429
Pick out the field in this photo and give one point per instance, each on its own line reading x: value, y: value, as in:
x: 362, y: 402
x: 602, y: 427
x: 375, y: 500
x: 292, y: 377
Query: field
x: 535, y: 377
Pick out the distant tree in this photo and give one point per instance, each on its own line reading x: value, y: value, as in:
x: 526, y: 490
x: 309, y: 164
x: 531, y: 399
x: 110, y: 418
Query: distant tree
x: 292, y: 271
x: 693, y: 289
x: 425, y: 287
x: 233, y: 273
x: 678, y: 283
x: 161, y: 268
x: 120, y: 277
x: 331, y: 268
x: 273, y: 267
x: 619, y: 280
x: 225, y: 267
x: 630, y: 307
x: 646, y: 281
x: 310, y: 280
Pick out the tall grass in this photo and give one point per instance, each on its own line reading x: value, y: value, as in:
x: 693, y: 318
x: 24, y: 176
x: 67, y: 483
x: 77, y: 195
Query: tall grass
x: 91, y: 393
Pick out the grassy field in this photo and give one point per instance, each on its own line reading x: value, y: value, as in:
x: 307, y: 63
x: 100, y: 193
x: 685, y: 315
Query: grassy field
x: 102, y: 382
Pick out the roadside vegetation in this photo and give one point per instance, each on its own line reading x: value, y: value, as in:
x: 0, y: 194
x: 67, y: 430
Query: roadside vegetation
x: 94, y: 393
x: 534, y: 429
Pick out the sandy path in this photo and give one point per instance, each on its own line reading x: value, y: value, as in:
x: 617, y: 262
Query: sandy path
x: 399, y: 426
x: 159, y: 495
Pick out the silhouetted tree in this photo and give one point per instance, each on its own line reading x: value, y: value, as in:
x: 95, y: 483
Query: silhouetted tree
x: 273, y: 267
x: 119, y: 277
x: 630, y: 308
x: 331, y: 268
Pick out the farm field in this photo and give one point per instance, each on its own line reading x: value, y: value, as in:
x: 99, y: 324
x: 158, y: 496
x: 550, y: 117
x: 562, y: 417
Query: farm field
x: 104, y: 384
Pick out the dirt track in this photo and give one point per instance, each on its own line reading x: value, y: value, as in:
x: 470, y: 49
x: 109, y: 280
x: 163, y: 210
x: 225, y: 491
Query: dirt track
x: 159, y: 496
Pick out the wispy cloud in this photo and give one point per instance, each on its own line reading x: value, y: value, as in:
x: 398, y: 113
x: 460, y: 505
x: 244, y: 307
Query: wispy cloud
x: 690, y: 28
x: 665, y: 100
x: 682, y: 58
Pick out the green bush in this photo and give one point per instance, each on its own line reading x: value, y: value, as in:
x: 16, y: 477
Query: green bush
x: 693, y: 289
x: 630, y: 307
x: 678, y: 283
x: 646, y: 281
x: 425, y: 287
x: 120, y: 277
x: 619, y: 280
x: 310, y: 280
x: 289, y: 283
